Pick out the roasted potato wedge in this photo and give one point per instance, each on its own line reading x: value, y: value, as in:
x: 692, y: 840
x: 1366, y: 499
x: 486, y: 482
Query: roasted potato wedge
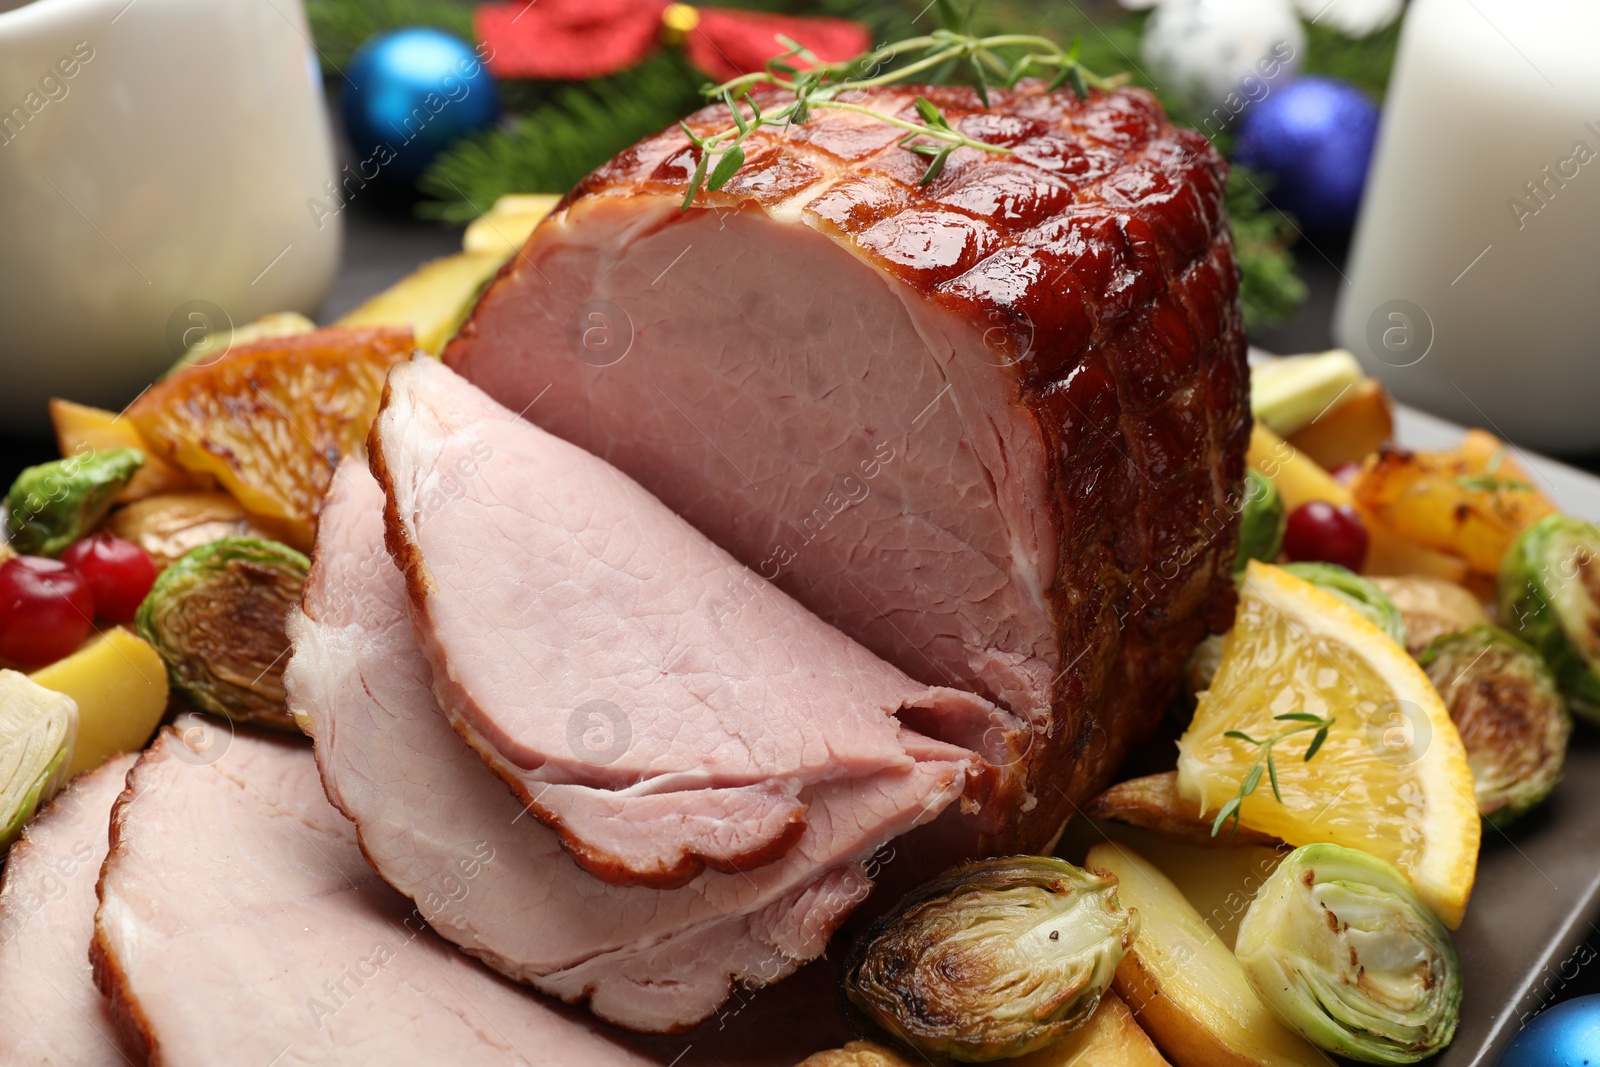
x: 1152, y: 802
x: 432, y: 300
x: 1431, y: 607
x: 1297, y: 476
x: 1183, y: 983
x: 169, y: 524
x: 82, y: 429
x: 1351, y: 430
x: 1111, y: 1038
x: 1470, y: 502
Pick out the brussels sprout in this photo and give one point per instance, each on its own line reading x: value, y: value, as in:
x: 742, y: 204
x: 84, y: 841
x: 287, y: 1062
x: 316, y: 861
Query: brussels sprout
x: 1340, y: 946
x: 37, y: 728
x: 1261, y: 521
x: 1358, y: 592
x: 992, y: 959
x: 1510, y: 714
x: 1549, y: 595
x: 217, y: 618
x: 54, y: 504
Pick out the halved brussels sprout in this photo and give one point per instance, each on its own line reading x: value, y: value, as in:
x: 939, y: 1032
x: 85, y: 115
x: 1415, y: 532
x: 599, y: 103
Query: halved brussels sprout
x: 1510, y: 714
x: 1549, y: 595
x: 1340, y: 946
x: 992, y: 959
x: 1358, y: 592
x: 217, y: 618
x: 1261, y: 520
x: 54, y: 504
x: 37, y: 729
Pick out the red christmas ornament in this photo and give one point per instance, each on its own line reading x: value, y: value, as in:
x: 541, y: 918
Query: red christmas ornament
x: 571, y: 40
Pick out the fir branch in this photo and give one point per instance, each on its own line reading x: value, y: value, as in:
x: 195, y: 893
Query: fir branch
x: 1269, y: 289
x: 553, y: 147
x: 341, y: 26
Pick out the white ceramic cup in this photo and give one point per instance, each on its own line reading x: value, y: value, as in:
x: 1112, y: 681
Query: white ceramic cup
x: 1474, y: 276
x: 157, y: 158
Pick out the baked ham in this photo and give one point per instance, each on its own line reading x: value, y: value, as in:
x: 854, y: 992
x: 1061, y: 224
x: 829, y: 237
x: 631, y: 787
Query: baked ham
x: 990, y: 427
x: 439, y: 826
x: 239, y: 924
x: 645, y: 695
x: 53, y: 1016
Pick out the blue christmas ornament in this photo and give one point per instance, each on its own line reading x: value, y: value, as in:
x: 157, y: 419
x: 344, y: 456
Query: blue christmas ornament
x: 1567, y: 1035
x: 408, y: 95
x: 1314, y: 136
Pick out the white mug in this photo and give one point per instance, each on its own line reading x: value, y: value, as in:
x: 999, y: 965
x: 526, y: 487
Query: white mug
x: 157, y: 158
x: 1474, y: 276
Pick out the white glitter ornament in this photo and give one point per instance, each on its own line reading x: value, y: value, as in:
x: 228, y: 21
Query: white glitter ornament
x: 1220, y: 53
x: 1353, y: 18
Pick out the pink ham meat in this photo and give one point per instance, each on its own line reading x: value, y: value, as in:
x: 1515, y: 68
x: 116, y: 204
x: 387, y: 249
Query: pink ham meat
x: 238, y: 924
x: 51, y: 1015
x: 440, y: 827
x: 647, y: 697
x: 992, y: 427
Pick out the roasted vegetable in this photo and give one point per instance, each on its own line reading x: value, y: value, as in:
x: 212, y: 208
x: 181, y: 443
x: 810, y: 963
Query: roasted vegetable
x: 506, y: 226
x: 120, y: 687
x: 1261, y: 520
x: 1470, y: 502
x: 1341, y: 947
x: 81, y: 429
x: 992, y: 959
x: 217, y: 619
x: 52, y: 505
x: 1549, y: 595
x: 433, y: 300
x: 37, y: 727
x: 211, y: 345
x: 1288, y: 394
x: 1509, y: 712
x: 1184, y: 985
x: 1361, y: 594
x: 1153, y: 803
x: 1202, y: 665
x: 169, y: 524
x: 1431, y: 607
x: 1297, y: 477
x: 1350, y: 431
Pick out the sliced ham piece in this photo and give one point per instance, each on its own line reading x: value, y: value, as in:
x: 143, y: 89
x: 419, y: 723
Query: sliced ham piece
x: 992, y: 427
x: 660, y: 707
x: 51, y: 1015
x: 239, y: 924
x: 439, y: 826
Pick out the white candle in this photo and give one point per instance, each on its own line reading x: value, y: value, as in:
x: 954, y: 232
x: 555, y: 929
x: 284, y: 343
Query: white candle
x: 1474, y: 277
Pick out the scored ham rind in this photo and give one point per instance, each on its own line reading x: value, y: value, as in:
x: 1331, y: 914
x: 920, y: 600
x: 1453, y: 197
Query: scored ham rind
x: 238, y: 924
x: 51, y: 1015
x: 443, y: 829
x: 581, y: 641
x: 993, y: 427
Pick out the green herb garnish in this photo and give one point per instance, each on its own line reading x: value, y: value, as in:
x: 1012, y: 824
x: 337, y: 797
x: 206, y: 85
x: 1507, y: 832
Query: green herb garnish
x: 1004, y: 59
x: 1303, y: 721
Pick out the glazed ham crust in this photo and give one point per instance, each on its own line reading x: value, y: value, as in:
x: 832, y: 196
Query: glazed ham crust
x: 1047, y: 345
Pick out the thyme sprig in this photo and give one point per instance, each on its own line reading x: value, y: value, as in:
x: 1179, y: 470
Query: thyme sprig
x: 1004, y: 59
x: 1303, y: 721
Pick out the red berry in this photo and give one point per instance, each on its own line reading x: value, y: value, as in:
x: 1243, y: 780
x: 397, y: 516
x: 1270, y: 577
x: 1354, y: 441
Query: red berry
x: 1318, y: 532
x: 119, y: 572
x: 46, y: 610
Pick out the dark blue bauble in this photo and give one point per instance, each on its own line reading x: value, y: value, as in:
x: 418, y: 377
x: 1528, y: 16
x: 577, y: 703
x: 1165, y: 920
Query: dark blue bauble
x: 1314, y: 136
x: 408, y: 95
x: 1567, y: 1035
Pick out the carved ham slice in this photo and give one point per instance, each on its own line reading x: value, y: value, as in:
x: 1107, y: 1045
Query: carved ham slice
x: 646, y: 696
x: 51, y: 1015
x: 992, y: 427
x: 238, y: 924
x: 429, y: 812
